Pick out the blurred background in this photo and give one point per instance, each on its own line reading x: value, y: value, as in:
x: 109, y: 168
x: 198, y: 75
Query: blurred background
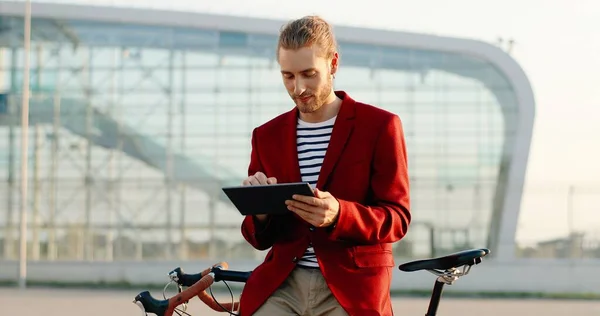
x: 140, y: 111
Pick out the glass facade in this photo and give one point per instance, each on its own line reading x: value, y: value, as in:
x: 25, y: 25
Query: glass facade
x: 135, y: 128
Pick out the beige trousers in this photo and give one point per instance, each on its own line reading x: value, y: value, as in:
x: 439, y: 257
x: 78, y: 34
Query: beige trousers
x: 303, y: 293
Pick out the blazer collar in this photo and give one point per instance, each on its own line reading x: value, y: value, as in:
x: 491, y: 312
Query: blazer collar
x: 342, y: 130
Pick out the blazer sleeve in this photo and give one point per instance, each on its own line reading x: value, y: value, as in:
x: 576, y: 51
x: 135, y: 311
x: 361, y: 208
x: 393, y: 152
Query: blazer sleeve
x: 260, y: 235
x: 386, y: 218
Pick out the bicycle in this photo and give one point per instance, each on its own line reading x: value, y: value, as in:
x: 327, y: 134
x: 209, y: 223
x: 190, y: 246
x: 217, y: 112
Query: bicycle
x: 446, y: 268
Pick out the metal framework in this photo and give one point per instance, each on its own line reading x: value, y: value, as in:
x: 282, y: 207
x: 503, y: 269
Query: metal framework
x: 74, y: 137
x: 88, y: 124
x: 76, y: 131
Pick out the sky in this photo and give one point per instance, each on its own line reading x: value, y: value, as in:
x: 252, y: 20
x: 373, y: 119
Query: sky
x: 556, y: 43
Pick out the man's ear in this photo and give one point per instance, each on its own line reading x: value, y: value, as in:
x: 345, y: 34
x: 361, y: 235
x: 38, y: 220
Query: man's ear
x: 334, y: 63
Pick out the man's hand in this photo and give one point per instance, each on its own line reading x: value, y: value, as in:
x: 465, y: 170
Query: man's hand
x: 259, y: 178
x: 319, y: 211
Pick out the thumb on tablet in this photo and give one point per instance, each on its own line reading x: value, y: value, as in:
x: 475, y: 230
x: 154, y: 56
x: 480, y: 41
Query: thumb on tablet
x: 272, y: 180
x: 318, y: 193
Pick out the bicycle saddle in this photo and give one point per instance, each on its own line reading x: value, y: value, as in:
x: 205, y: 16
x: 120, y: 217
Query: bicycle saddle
x: 455, y: 260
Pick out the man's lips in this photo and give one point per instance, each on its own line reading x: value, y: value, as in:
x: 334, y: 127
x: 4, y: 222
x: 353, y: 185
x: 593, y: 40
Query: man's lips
x: 305, y: 99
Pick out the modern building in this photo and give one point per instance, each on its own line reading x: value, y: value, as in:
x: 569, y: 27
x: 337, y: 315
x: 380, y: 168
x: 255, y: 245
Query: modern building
x: 139, y: 117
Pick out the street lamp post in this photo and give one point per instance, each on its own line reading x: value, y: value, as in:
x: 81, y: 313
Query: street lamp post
x: 24, y: 148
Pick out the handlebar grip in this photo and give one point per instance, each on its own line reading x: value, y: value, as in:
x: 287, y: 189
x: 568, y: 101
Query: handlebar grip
x: 149, y: 304
x: 233, y: 276
x: 184, y: 279
x: 220, y: 271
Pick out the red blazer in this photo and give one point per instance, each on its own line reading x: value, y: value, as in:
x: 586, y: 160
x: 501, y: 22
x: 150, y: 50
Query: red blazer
x: 365, y: 168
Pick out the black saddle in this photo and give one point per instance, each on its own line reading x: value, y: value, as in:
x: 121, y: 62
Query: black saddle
x: 455, y: 260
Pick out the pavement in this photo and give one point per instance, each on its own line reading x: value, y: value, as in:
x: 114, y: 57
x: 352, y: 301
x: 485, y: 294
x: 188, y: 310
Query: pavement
x: 79, y: 302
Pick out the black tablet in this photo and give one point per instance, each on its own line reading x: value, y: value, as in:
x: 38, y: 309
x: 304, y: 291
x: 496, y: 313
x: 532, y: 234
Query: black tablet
x: 265, y: 199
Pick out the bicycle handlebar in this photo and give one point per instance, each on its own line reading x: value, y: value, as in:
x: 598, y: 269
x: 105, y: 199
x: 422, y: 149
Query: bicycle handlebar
x: 188, y: 280
x: 196, y: 285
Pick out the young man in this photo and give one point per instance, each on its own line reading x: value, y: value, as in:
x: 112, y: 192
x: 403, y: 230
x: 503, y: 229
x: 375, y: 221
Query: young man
x: 332, y: 255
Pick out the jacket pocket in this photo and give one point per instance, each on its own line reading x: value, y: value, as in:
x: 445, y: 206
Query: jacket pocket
x: 372, y: 256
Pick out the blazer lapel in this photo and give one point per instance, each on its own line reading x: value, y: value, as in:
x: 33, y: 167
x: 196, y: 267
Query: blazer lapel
x: 289, y: 156
x: 344, y: 124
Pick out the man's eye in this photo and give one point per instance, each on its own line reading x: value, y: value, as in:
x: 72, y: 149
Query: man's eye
x: 310, y: 74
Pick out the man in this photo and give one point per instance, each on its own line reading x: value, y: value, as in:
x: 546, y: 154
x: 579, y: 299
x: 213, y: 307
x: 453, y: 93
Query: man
x: 332, y: 255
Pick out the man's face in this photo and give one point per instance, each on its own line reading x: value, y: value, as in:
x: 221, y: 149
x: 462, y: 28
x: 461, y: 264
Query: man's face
x: 307, y: 77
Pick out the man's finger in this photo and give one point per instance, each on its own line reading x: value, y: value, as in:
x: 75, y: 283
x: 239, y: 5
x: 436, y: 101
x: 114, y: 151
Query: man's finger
x: 271, y: 180
x: 308, y: 200
x: 302, y: 206
x: 314, y: 219
x: 261, y: 177
x: 248, y: 181
x: 321, y: 194
x: 306, y: 215
x: 254, y: 181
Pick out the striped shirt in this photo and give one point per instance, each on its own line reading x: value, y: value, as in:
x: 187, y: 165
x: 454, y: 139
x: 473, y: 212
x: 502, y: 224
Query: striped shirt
x: 312, y: 140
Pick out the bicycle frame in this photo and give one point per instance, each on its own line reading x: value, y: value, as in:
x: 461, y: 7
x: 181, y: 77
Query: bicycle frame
x: 447, y: 269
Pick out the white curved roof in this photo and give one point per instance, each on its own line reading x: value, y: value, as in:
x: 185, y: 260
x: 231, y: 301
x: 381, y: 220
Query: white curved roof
x: 146, y: 16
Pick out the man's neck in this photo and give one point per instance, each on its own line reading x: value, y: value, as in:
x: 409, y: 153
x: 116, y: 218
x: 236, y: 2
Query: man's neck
x: 327, y: 111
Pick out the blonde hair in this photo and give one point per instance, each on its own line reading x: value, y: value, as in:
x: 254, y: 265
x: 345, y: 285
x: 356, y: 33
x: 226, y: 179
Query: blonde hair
x: 308, y: 31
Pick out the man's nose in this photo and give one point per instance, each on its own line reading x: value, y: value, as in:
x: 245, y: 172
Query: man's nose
x: 299, y: 87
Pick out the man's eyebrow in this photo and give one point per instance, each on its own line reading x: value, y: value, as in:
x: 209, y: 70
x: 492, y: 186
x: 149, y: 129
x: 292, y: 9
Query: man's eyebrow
x: 305, y: 70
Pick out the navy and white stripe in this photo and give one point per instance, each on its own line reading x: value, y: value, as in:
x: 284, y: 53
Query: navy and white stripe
x: 312, y: 140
